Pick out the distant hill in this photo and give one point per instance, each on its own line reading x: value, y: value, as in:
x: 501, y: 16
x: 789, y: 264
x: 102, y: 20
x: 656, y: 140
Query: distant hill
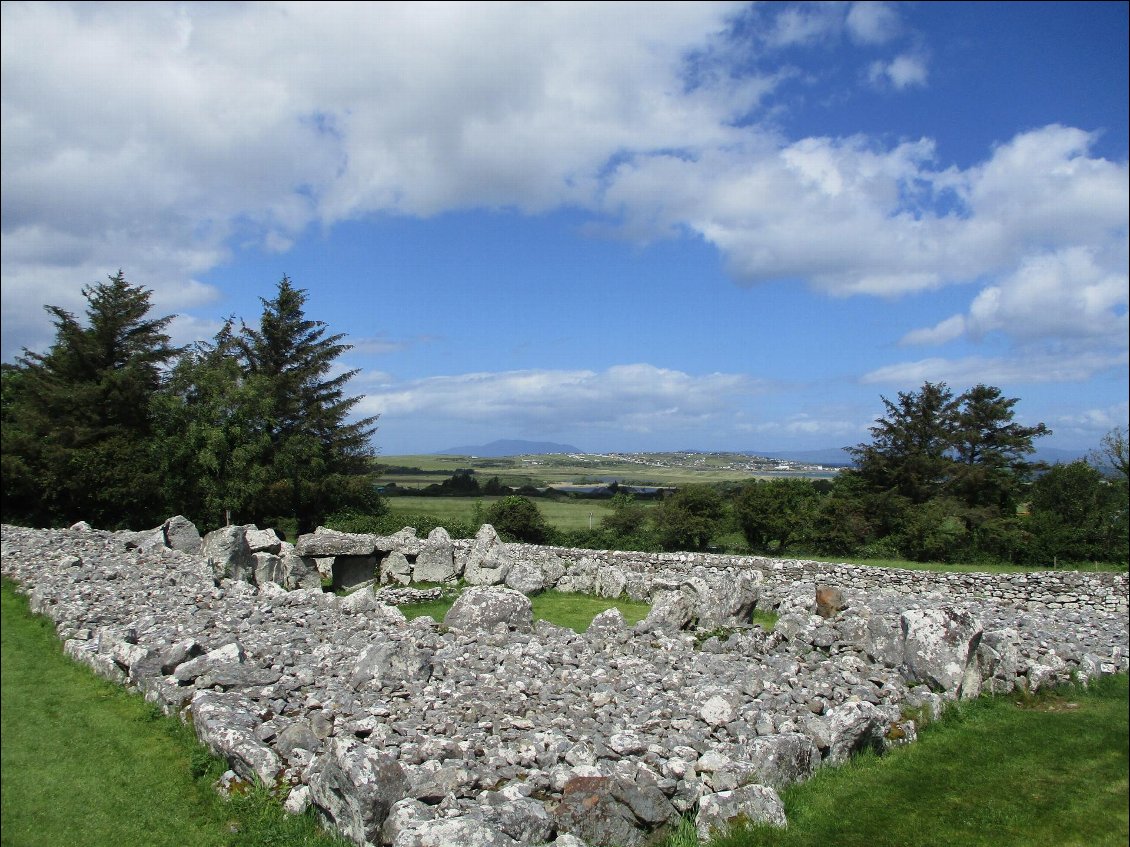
x: 509, y: 447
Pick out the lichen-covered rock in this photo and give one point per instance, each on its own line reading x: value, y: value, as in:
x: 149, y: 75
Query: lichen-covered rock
x: 436, y: 562
x: 356, y: 786
x: 226, y: 550
x: 940, y: 650
x: 330, y: 542
x: 749, y: 804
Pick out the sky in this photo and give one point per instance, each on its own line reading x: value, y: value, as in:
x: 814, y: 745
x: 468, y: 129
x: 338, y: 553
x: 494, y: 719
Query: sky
x: 671, y: 226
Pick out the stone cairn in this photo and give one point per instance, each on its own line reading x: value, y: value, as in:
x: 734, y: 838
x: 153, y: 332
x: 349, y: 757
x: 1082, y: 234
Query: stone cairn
x: 489, y: 729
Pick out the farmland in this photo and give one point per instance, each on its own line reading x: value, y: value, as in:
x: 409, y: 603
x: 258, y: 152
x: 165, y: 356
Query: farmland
x: 564, y: 469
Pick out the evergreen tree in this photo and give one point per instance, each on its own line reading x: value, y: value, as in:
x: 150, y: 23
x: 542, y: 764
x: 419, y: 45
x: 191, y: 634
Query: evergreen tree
x: 909, y: 454
x: 990, y: 449
x: 212, y: 428
x: 316, y: 461
x: 77, y: 422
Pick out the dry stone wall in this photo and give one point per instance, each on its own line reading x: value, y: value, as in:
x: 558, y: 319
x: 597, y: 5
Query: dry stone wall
x: 492, y: 729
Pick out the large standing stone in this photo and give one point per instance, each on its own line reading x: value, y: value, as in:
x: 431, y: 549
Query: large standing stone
x: 436, y: 562
x: 483, y: 607
x: 395, y: 567
x: 355, y: 787
x: 488, y: 562
x: 226, y: 550
x: 940, y: 650
x: 352, y: 571
x: 182, y: 534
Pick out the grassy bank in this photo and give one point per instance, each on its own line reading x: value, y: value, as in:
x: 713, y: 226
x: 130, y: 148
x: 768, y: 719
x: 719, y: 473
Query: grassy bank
x: 84, y: 763
x: 1046, y: 771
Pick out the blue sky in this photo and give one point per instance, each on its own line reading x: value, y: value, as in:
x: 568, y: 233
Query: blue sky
x: 619, y: 226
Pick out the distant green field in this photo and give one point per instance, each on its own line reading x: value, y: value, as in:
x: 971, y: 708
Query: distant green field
x: 562, y: 514
x: 556, y: 469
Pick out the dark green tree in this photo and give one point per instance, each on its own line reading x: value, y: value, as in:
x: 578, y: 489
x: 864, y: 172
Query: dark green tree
x: 212, y: 426
x: 78, y: 434
x: 1076, y: 514
x: 317, y: 461
x: 910, y: 447
x: 990, y: 449
x: 690, y: 518
x: 628, y: 516
x: 518, y: 518
x: 776, y: 514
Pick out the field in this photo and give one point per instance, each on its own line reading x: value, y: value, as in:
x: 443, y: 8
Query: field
x: 562, y: 514
x: 577, y: 468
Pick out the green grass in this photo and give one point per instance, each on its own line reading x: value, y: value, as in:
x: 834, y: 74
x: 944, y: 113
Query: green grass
x: 86, y: 763
x: 562, y: 514
x: 1047, y: 771
x: 574, y: 611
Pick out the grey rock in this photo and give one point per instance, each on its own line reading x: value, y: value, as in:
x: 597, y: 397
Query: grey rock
x: 719, y: 812
x: 181, y: 534
x: 329, y: 542
x: 356, y: 786
x: 484, y: 607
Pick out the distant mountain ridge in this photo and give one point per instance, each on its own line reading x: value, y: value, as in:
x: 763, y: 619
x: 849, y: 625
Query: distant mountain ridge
x: 509, y: 447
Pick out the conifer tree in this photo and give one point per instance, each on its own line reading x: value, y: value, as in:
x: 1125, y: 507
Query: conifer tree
x: 316, y: 460
x: 78, y: 428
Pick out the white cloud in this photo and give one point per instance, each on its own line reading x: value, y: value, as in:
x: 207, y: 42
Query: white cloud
x: 1022, y: 369
x: 904, y: 71
x: 636, y: 397
x: 944, y: 331
x: 873, y: 22
x: 222, y: 124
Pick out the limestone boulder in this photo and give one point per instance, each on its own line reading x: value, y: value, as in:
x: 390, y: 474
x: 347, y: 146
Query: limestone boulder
x: 436, y: 562
x: 939, y: 649
x: 355, y: 786
x: 181, y: 534
x: 330, y: 542
x: 228, y: 553
x: 484, y: 607
x: 755, y: 804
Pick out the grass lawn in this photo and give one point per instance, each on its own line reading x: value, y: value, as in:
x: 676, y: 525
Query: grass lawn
x: 1047, y: 771
x: 84, y: 763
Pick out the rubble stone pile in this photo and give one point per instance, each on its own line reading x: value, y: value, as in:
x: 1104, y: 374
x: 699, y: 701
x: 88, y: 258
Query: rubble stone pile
x: 491, y: 729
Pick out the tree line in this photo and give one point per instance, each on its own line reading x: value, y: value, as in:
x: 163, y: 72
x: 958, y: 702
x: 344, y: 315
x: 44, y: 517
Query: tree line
x: 945, y: 478
x: 116, y: 426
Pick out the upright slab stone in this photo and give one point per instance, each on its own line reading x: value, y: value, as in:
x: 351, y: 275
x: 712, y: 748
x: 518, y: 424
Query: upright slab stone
x: 436, y: 562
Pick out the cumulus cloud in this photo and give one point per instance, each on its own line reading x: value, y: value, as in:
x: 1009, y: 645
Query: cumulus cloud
x: 901, y: 72
x: 227, y: 124
x: 635, y: 397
